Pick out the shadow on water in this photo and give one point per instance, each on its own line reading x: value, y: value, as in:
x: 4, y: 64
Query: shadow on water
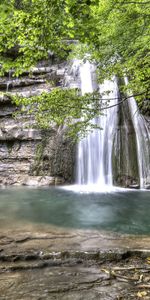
x: 124, y: 212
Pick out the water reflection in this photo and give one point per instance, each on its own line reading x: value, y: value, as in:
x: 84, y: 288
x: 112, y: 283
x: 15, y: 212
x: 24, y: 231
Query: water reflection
x: 125, y: 212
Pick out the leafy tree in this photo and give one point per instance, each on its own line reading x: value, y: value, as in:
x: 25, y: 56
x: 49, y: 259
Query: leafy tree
x: 114, y: 33
x: 118, y: 37
x: 63, y: 107
x: 31, y: 28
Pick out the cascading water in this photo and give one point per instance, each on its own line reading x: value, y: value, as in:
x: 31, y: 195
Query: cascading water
x: 142, y: 140
x: 94, y: 155
x: 119, y: 153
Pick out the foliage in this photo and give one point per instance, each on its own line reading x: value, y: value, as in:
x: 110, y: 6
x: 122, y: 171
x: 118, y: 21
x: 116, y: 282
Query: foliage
x: 118, y: 37
x: 62, y: 107
x: 114, y: 33
x: 31, y: 29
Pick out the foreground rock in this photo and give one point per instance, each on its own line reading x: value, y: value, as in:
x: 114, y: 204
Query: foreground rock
x: 40, y: 261
x: 82, y: 266
x: 77, y: 279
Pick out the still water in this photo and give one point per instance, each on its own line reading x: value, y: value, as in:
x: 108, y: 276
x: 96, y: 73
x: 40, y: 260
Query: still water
x: 121, y: 211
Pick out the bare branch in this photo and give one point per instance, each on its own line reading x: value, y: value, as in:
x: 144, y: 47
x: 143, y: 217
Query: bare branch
x: 123, y: 100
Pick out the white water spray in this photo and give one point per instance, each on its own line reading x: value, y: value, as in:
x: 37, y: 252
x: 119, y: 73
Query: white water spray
x: 94, y: 155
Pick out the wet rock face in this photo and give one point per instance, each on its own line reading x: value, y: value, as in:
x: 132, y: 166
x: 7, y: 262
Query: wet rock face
x: 28, y: 155
x: 125, y: 160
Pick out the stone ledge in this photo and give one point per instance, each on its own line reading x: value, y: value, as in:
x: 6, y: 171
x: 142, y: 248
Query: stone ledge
x: 5, y: 85
x: 28, y: 180
x: 10, y: 133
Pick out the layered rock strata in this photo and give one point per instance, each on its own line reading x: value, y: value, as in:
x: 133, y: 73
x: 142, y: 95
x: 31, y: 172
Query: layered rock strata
x: 28, y: 155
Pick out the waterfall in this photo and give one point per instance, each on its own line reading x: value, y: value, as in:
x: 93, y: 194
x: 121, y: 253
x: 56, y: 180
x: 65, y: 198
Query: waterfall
x: 143, y: 142
x: 119, y: 153
x: 94, y: 154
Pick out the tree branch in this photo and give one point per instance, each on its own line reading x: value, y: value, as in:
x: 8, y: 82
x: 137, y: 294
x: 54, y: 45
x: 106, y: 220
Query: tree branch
x: 120, y: 102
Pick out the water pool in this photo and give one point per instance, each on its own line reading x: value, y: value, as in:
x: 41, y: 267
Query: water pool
x: 118, y: 211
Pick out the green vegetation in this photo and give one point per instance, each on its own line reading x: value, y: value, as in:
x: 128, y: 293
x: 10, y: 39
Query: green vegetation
x: 62, y: 107
x: 116, y: 34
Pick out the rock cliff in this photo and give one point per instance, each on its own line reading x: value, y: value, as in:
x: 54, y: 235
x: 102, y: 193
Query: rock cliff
x: 28, y: 155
